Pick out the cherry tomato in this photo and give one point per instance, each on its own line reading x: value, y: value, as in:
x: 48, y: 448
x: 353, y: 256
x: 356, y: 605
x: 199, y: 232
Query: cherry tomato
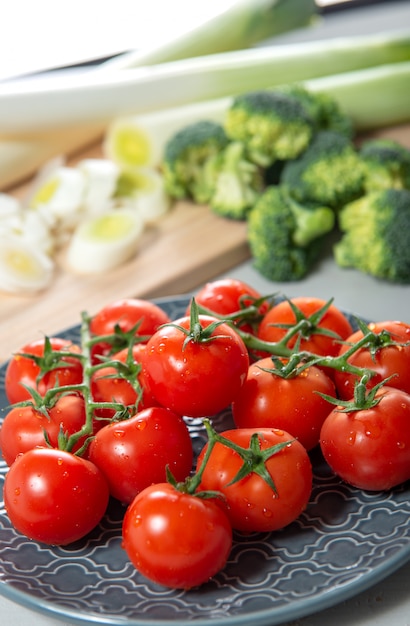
x: 134, y: 453
x: 268, y: 400
x: 54, y: 497
x: 176, y: 539
x: 24, y: 428
x: 196, y: 377
x: 125, y: 314
x: 253, y: 506
x: 229, y: 295
x: 370, y: 448
x: 23, y: 370
x: 385, y: 361
x: 108, y: 386
x: 277, y: 320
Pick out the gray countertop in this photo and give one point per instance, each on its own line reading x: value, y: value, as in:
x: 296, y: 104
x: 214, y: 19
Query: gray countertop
x: 389, y: 601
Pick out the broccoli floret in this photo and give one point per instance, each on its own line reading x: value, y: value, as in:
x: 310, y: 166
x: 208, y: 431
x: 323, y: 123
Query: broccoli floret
x: 238, y: 183
x: 285, y: 237
x: 376, y: 237
x: 329, y: 172
x: 190, y: 160
x: 324, y: 110
x: 271, y: 124
x: 386, y: 163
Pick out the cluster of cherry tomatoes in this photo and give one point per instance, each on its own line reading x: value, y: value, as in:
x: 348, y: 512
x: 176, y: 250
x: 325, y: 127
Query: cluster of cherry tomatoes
x: 109, y: 418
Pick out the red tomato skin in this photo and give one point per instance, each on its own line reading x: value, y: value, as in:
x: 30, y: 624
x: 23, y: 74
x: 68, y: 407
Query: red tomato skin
x: 54, y: 497
x: 387, y: 361
x: 199, y: 379
x: 370, y: 449
x: 126, y: 313
x: 252, y: 506
x: 134, y: 453
x: 292, y: 404
x: 23, y: 427
x: 106, y: 387
x: 176, y: 539
x: 229, y: 295
x: 23, y: 370
x: 282, y: 313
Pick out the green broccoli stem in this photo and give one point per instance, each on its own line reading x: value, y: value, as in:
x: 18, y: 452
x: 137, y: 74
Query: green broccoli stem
x: 310, y: 223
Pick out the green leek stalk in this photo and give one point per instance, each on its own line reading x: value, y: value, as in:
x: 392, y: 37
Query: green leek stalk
x: 373, y: 98
x: 96, y: 99
x: 238, y: 25
x: 93, y: 98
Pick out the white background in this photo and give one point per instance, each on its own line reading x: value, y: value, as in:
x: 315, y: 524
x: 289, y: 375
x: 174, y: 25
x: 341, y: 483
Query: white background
x: 41, y: 34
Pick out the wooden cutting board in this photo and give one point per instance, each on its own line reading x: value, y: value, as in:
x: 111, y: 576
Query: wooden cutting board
x: 187, y: 247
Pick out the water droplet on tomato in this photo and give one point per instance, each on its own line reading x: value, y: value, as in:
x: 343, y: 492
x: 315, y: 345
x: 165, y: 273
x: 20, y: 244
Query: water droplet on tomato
x: 351, y: 438
x: 141, y: 424
x: 17, y: 491
x: 401, y: 445
x: 267, y: 513
x: 248, y: 504
x: 278, y: 432
x: 119, y: 433
x: 372, y: 430
x: 60, y: 461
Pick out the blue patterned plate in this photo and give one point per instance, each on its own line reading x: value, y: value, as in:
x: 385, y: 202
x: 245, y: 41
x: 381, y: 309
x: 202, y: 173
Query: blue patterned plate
x: 346, y: 541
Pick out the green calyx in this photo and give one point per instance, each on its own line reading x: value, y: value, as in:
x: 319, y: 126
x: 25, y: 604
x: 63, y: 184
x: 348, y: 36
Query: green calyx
x: 306, y: 326
x: 253, y: 457
x: 376, y: 341
x: 119, y: 339
x: 197, y: 333
x: 50, y: 359
x: 363, y: 399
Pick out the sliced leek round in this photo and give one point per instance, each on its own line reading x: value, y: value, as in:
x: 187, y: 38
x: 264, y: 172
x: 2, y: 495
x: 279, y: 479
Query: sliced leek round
x: 143, y: 188
x: 100, y: 183
x: 139, y: 140
x: 62, y: 192
x: 129, y: 145
x: 23, y: 267
x: 104, y: 242
x: 36, y: 229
